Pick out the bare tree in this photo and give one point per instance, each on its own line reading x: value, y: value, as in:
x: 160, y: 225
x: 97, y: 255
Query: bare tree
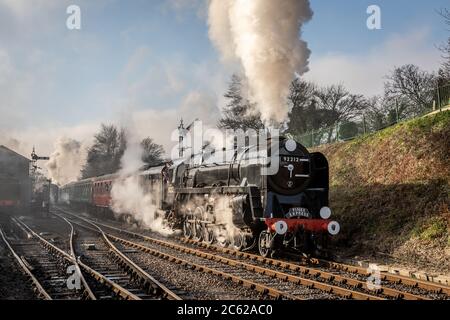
x: 153, y: 152
x: 339, y: 105
x: 375, y: 114
x: 105, y: 154
x: 444, y: 71
x: 445, y: 13
x: 411, y: 83
x: 305, y: 115
x: 239, y: 113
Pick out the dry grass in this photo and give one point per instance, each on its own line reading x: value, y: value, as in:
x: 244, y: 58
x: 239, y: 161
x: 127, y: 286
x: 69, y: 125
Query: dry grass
x: 390, y: 191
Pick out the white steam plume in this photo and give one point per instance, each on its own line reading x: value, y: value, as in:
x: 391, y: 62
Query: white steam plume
x: 66, y: 161
x: 224, y: 215
x: 128, y: 194
x: 263, y: 36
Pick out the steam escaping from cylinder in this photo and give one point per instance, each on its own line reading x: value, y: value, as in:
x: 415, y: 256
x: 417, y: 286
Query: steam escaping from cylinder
x: 263, y: 37
x: 66, y: 161
x: 224, y: 216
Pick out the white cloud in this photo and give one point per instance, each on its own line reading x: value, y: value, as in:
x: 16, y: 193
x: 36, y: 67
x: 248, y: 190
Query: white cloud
x: 23, y: 140
x: 364, y: 73
x: 6, y: 67
x: 160, y: 124
x: 26, y: 8
x: 182, y: 5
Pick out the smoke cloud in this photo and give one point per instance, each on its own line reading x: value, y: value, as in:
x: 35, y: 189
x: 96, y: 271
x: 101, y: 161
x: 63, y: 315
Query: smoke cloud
x: 66, y: 161
x: 130, y: 196
x: 263, y: 36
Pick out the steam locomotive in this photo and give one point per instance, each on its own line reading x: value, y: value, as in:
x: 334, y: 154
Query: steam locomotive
x: 234, y: 202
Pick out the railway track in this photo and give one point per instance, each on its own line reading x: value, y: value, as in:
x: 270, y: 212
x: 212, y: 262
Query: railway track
x: 279, y: 279
x: 108, y: 260
x: 38, y: 288
x: 46, y: 265
x: 391, y: 285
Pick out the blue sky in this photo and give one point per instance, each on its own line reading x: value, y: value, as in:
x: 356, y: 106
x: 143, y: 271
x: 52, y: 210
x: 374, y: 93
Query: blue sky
x: 340, y: 25
x: 151, y: 62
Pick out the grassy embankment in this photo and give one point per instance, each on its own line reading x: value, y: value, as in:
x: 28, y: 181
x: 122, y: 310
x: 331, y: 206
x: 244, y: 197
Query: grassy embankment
x: 390, y: 192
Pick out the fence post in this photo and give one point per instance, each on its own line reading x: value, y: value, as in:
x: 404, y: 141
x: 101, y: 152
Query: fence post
x: 439, y: 99
x: 312, y: 137
x: 337, y: 131
x: 396, y: 109
x: 364, y: 123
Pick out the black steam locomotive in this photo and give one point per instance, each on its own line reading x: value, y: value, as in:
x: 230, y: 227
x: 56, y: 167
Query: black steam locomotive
x: 242, y: 204
x: 237, y: 202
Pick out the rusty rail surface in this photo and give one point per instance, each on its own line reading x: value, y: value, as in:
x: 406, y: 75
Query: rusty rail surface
x: 324, y: 275
x: 241, y: 281
x: 131, y: 267
x: 41, y: 292
x: 322, y: 286
x: 119, y: 290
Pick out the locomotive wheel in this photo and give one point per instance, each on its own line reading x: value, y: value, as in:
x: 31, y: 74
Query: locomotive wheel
x: 197, y: 231
x: 264, y: 243
x: 208, y: 235
x: 187, y: 229
x: 238, y: 242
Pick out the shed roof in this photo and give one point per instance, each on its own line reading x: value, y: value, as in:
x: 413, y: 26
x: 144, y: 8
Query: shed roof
x: 13, y: 153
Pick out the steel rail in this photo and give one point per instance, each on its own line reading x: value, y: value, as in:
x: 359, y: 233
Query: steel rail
x: 122, y: 292
x: 148, y: 280
x: 342, y: 292
x: 41, y: 291
x: 86, y: 286
x: 327, y: 276
x: 395, y: 278
x: 244, y: 282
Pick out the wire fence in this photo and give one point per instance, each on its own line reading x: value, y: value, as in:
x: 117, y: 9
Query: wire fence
x: 370, y: 121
